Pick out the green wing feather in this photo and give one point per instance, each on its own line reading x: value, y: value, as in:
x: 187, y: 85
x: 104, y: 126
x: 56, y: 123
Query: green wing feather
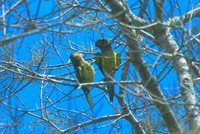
x: 117, y: 61
x: 85, y: 74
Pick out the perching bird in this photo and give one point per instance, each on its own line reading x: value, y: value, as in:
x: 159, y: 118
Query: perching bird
x: 107, y: 61
x: 84, y: 73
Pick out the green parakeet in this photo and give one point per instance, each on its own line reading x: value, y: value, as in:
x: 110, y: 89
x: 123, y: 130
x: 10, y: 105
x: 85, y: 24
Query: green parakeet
x: 107, y: 61
x: 84, y: 73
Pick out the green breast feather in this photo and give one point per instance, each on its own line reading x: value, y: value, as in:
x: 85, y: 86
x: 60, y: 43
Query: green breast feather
x: 107, y: 61
x: 85, y: 73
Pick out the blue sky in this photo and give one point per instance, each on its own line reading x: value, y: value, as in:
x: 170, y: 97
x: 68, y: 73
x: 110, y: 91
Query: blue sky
x: 30, y: 96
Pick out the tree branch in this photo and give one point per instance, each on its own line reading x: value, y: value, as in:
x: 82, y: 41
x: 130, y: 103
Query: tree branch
x: 177, y: 21
x: 135, y: 57
x: 93, y: 121
x: 158, y: 4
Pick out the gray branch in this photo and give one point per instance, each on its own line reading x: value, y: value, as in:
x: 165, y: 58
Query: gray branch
x: 177, y: 21
x: 123, y: 14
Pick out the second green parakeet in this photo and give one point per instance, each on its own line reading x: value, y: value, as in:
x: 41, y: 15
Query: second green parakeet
x: 107, y: 61
x: 84, y: 73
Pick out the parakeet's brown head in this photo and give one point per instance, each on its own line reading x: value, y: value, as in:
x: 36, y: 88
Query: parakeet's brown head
x: 103, y: 43
x: 76, y: 58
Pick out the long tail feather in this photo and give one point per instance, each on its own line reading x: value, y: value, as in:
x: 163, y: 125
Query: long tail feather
x: 111, y: 91
x: 88, y: 97
x: 110, y: 88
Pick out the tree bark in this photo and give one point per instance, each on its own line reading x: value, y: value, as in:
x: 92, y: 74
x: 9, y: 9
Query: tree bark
x: 122, y: 14
x: 164, y: 39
